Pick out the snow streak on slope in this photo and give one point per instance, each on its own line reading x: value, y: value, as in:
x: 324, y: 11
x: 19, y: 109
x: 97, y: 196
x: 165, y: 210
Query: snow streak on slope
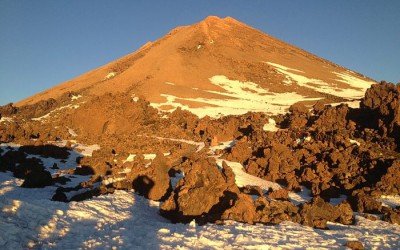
x: 357, y: 86
x: 237, y: 98
x: 124, y: 220
x: 6, y: 119
x: 69, y: 106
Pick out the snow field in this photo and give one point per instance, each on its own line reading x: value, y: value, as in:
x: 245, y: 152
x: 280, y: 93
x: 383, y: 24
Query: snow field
x: 237, y: 98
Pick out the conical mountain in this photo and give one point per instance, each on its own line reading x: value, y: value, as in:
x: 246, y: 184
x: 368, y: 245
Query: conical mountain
x: 218, y: 66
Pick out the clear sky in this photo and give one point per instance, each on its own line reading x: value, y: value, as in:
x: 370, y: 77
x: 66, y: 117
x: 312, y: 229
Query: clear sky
x: 46, y: 42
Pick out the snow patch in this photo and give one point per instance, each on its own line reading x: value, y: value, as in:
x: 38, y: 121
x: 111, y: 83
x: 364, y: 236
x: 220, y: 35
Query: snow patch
x: 151, y: 156
x: 44, y: 117
x: 352, y: 104
x: 390, y: 200
x: 354, y: 142
x: 337, y: 201
x: 111, y: 75
x: 6, y: 119
x: 85, y: 150
x: 200, y: 145
x: 357, y: 86
x: 354, y: 81
x: 75, y: 97
x: 178, y: 176
x: 135, y: 98
x: 270, y: 126
x: 244, y: 179
x: 72, y: 132
x: 237, y: 98
x: 7, y: 146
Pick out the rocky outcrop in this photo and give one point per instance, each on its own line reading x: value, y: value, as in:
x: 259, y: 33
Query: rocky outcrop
x: 203, y: 194
x: 382, y: 105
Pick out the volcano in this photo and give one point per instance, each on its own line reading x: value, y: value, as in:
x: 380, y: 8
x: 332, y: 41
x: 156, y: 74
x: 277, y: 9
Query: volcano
x: 214, y: 136
x: 217, y: 67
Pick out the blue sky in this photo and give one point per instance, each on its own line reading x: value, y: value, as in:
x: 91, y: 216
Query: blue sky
x: 46, y: 42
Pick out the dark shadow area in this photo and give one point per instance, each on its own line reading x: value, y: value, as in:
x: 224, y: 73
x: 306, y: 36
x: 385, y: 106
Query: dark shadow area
x: 143, y: 185
x: 24, y: 163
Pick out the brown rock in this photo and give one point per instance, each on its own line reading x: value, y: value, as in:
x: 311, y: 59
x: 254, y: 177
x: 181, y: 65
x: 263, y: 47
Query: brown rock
x: 203, y: 182
x: 392, y: 216
x: 299, y: 108
x: 279, y: 194
x: 243, y: 210
x: 354, y: 245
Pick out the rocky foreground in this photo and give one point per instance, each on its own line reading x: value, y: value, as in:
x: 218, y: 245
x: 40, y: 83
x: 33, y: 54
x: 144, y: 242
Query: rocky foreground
x: 314, y: 166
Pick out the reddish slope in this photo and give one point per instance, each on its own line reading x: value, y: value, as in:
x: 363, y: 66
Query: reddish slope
x: 177, y: 70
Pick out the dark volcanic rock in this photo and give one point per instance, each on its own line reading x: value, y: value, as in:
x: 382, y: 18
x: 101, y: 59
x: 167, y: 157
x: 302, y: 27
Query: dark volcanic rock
x: 37, y: 179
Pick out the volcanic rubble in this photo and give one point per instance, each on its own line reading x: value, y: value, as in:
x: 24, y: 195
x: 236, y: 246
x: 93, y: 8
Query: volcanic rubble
x: 335, y: 152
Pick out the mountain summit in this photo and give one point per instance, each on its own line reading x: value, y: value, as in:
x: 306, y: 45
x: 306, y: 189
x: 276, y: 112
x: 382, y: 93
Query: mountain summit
x: 219, y: 66
x: 133, y: 145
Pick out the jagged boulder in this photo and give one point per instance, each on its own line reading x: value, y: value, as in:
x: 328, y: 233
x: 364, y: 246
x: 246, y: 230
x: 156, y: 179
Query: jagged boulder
x: 382, y: 103
x: 203, y: 194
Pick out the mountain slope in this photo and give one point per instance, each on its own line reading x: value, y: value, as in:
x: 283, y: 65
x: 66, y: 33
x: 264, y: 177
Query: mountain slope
x: 218, y: 66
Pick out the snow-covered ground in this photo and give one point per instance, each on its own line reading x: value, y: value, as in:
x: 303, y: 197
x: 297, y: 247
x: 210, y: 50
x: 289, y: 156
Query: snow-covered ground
x: 356, y: 90
x: 124, y: 220
x: 236, y: 98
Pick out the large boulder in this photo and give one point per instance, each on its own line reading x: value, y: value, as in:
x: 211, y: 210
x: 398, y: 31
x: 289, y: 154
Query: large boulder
x: 243, y: 210
x: 203, y: 194
x: 275, y: 211
x: 381, y: 109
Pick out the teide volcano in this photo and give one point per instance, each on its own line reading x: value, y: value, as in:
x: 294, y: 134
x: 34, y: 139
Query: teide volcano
x: 217, y: 126
x: 218, y: 66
